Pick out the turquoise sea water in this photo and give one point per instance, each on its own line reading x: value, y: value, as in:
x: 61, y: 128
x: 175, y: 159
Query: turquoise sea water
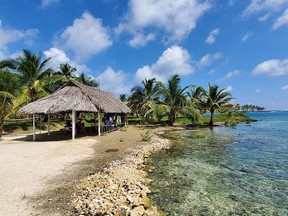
x: 239, y: 170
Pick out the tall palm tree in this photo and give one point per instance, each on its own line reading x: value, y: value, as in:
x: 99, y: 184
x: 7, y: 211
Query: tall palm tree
x: 143, y: 98
x: 196, y: 95
x: 67, y: 71
x: 173, y: 97
x: 87, y: 80
x: 33, y: 73
x: 9, y: 88
x: 215, y: 99
x: 60, y: 77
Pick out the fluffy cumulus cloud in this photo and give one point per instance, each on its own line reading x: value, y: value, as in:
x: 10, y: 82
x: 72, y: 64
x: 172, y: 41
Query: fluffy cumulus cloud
x: 177, y: 18
x: 59, y: 57
x: 86, y: 37
x: 273, y: 67
x: 285, y: 87
x: 269, y: 7
x: 114, y: 81
x: 174, y: 60
x: 141, y: 40
x: 9, y: 35
x: 229, y: 75
x: 212, y: 36
x: 209, y: 58
x: 47, y: 3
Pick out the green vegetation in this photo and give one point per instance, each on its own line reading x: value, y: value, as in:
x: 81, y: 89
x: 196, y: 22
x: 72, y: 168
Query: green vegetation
x: 146, y: 136
x: 27, y: 78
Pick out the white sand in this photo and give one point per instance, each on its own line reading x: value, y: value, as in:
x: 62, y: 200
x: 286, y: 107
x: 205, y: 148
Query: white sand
x: 26, y: 166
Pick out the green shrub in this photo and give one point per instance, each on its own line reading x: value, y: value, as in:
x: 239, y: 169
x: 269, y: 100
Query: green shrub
x: 147, y: 136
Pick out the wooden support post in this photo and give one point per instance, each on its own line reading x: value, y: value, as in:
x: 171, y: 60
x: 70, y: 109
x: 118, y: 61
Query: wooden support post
x: 34, y: 136
x: 95, y: 122
x: 99, y: 123
x: 48, y: 124
x: 73, y: 124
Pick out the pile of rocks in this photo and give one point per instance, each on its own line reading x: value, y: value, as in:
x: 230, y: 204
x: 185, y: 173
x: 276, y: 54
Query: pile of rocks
x: 120, y: 189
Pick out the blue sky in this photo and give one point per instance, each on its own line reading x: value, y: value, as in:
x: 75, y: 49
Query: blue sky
x: 238, y: 44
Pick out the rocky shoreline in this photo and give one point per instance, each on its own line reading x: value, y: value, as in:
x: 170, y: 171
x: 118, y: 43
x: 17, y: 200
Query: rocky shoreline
x: 121, y: 188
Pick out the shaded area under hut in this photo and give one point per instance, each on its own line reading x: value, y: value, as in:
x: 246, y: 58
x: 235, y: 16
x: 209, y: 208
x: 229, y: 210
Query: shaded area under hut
x: 76, y: 97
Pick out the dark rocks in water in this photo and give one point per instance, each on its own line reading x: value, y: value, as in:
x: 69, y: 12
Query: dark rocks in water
x: 233, y: 197
x: 250, y: 170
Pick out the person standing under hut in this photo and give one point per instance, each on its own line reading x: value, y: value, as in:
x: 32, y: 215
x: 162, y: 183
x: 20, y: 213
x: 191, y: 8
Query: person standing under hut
x: 80, y: 126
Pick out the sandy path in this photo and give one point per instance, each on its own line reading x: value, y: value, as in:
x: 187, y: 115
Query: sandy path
x: 25, y: 167
x: 38, y: 169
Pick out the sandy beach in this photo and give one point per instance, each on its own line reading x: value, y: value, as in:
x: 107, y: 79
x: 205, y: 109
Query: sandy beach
x: 39, y: 178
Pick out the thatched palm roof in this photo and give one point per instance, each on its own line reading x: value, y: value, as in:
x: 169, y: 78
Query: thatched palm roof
x: 79, y: 97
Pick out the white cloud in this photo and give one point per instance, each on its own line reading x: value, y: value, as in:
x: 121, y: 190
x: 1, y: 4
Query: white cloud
x: 176, y: 18
x: 285, y: 87
x: 59, y: 57
x: 212, y: 71
x: 257, y: 6
x: 269, y: 7
x: 86, y: 37
x: 209, y: 58
x: 114, y: 81
x: 9, y: 35
x: 46, y: 3
x: 273, y: 67
x: 229, y: 89
x: 174, y: 60
x: 264, y: 17
x: 212, y: 36
x: 258, y: 90
x: 229, y: 75
x: 141, y: 40
x: 281, y: 21
x: 246, y: 36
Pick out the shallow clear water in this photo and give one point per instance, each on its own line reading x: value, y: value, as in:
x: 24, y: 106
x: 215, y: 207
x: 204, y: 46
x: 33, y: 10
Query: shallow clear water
x: 225, y: 171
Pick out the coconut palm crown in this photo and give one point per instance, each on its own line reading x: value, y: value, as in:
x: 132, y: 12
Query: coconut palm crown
x: 173, y: 97
x: 214, y: 99
x: 32, y: 72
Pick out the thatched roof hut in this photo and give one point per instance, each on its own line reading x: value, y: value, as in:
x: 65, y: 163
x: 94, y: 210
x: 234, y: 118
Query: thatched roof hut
x: 79, y: 97
x: 76, y: 97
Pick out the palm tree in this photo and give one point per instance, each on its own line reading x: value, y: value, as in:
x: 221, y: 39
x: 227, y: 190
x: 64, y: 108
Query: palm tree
x: 67, y: 71
x: 173, y: 97
x: 33, y: 73
x: 215, y: 99
x: 87, y: 80
x: 60, y: 77
x: 9, y: 87
x: 196, y: 95
x: 123, y: 97
x: 143, y: 98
